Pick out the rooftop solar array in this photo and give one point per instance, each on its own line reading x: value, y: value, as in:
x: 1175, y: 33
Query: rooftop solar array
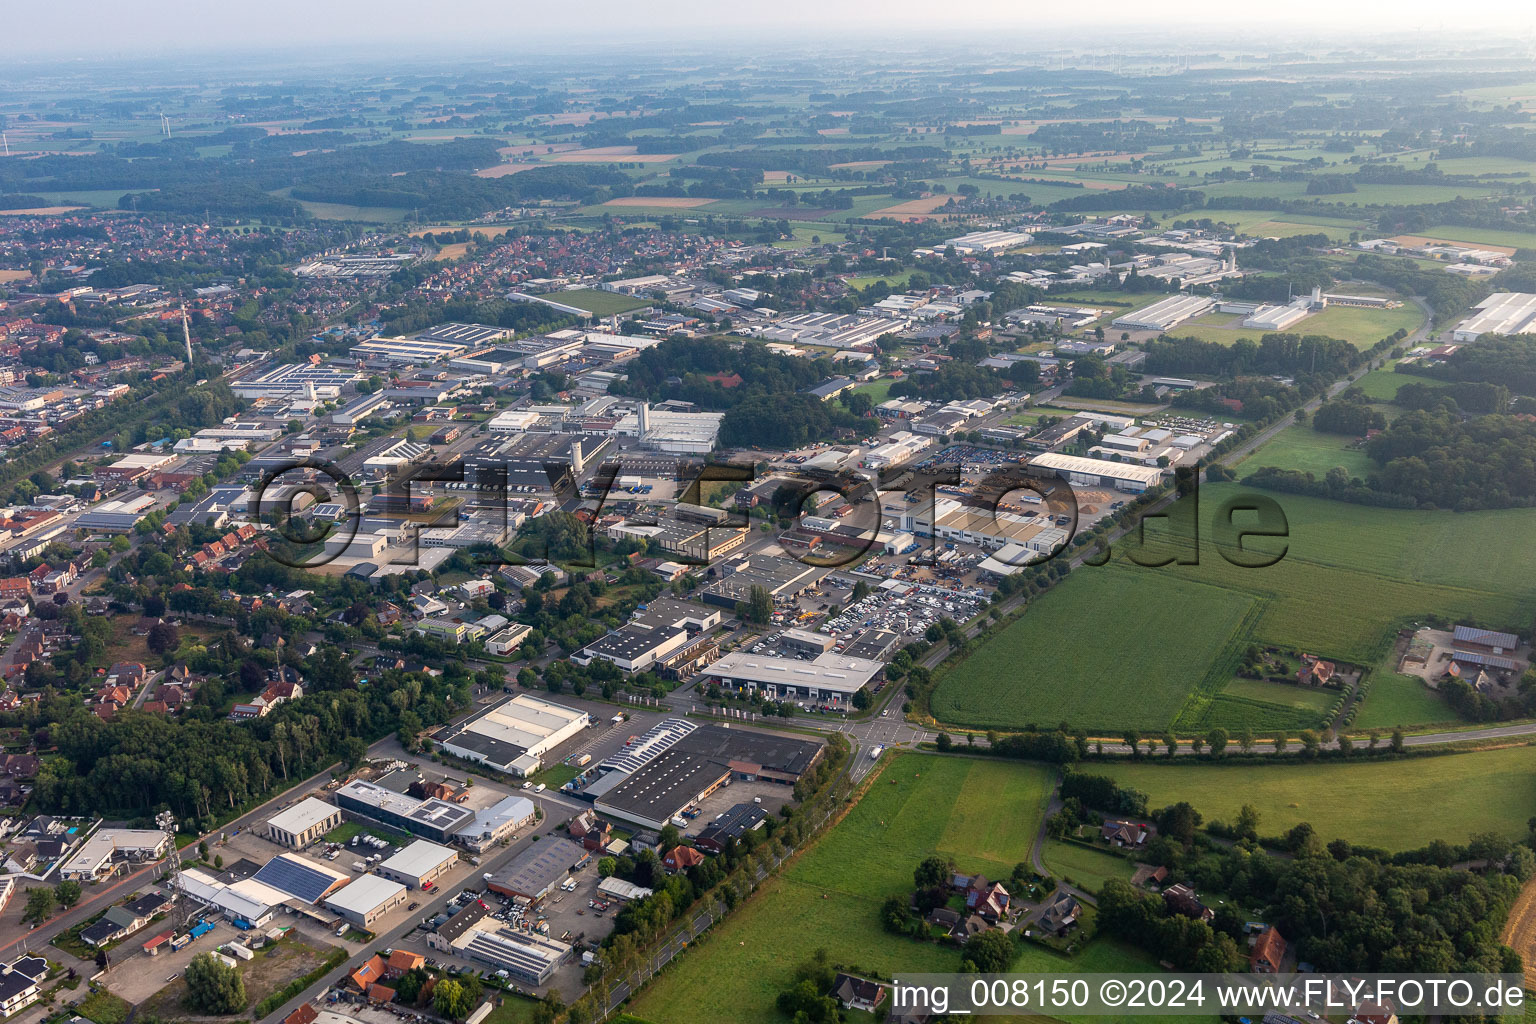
x: 298, y: 877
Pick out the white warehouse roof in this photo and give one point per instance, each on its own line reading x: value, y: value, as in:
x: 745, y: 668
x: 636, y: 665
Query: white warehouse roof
x: 364, y: 895
x: 419, y: 858
x: 305, y: 814
x: 1102, y: 467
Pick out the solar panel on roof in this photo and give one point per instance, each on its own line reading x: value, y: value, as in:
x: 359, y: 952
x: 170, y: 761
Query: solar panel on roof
x: 296, y: 878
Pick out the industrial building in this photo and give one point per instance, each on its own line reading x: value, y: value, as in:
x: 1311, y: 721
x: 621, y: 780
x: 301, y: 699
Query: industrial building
x: 829, y: 678
x: 300, y: 878
x: 536, y: 871
x: 1099, y: 472
x: 469, y: 335
x: 364, y: 901
x: 514, y: 735
x: 492, y: 824
x: 406, y: 350
x: 1166, y: 313
x: 432, y: 819
x: 303, y: 823
x: 730, y: 826
x: 530, y: 958
x: 249, y: 901
x: 677, y: 763
x: 781, y: 577
x: 633, y: 648
x: 829, y: 330
x: 295, y: 381
x: 988, y: 241
x: 419, y: 865
x: 678, y: 433
x: 1499, y: 313
x: 118, y: 516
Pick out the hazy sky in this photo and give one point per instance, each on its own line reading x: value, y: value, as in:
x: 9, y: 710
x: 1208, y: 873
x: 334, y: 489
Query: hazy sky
x: 123, y: 26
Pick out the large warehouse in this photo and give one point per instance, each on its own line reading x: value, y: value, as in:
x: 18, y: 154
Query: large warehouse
x: 830, y: 678
x: 514, y: 736
x: 367, y: 899
x: 1499, y: 313
x: 1123, y: 476
x: 472, y: 934
x: 538, y: 869
x: 1166, y: 313
x: 419, y: 865
x: 677, y: 763
x: 303, y: 823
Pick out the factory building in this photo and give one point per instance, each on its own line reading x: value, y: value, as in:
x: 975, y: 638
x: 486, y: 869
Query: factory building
x: 1166, y: 313
x: 828, y: 678
x: 514, y: 735
x: 535, y: 872
x: 1499, y: 313
x: 1099, y: 472
x: 433, y: 819
x: 419, y: 865
x: 365, y: 900
x: 988, y: 241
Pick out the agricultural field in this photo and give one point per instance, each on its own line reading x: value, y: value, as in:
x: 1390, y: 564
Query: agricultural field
x: 1162, y: 641
x: 598, y: 302
x: 1458, y: 794
x: 984, y: 813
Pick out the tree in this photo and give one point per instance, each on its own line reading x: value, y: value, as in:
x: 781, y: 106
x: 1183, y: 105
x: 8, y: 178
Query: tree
x: 67, y: 893
x: 1133, y: 740
x: 1247, y: 826
x: 1397, y: 741
x: 933, y: 871
x: 452, y: 998
x: 1246, y: 740
x: 943, y: 742
x: 163, y: 638
x: 1281, y: 740
x: 1217, y: 738
x: 40, y: 904
x: 1171, y: 742
x: 1309, y: 742
x: 213, y: 986
x: 990, y: 951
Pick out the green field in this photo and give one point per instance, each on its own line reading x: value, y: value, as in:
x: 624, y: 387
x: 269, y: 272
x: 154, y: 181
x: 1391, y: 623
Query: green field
x: 1381, y: 385
x: 1359, y: 326
x: 984, y: 813
x: 1083, y: 867
x: 1311, y: 700
x: 598, y: 302
x: 1301, y: 447
x: 1124, y: 646
x: 1112, y: 647
x: 1448, y: 797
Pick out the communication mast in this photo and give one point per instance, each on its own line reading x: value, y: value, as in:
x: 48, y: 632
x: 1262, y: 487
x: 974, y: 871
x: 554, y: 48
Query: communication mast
x: 167, y: 822
x: 186, y: 334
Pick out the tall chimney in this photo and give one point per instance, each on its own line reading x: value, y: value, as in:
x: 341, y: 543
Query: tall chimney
x: 576, y: 461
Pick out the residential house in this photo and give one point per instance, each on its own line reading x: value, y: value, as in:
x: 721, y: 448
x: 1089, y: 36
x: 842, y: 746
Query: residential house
x: 680, y: 859
x: 1125, y: 833
x: 1181, y: 899
x: 857, y: 993
x: 20, y: 983
x: 1268, y: 953
x: 989, y: 899
x: 1061, y: 913
x: 402, y: 961
x: 1314, y: 671
x: 367, y: 973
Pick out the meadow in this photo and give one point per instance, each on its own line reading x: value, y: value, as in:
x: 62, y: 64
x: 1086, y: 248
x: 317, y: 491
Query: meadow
x: 984, y: 813
x: 1458, y: 795
x: 1301, y: 447
x: 1122, y: 646
x: 1360, y: 326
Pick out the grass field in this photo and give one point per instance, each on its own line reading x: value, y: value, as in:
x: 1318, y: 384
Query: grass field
x: 1362, y: 327
x: 1301, y: 447
x: 1448, y: 797
x: 1112, y: 647
x: 1400, y: 700
x: 598, y: 302
x: 1083, y: 867
x: 1381, y: 385
x: 1124, y: 646
x: 1309, y: 699
x: 984, y: 813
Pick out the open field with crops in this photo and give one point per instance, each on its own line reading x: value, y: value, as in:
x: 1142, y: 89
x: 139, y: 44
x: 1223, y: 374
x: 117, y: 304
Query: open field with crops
x: 1124, y: 646
x: 1460, y: 794
x: 984, y: 813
